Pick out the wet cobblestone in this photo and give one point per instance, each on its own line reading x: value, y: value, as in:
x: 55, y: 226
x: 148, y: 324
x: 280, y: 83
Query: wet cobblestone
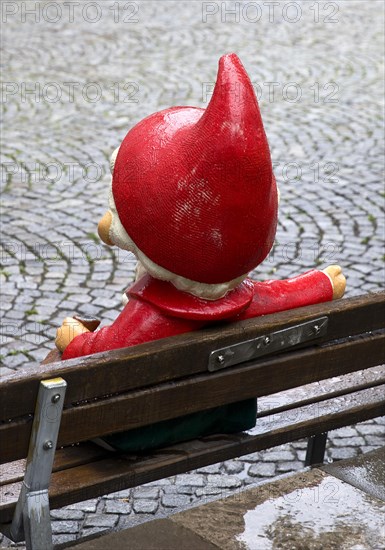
x: 327, y: 147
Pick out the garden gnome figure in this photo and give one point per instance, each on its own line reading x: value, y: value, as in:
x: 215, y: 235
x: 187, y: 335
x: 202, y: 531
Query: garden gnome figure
x: 193, y: 196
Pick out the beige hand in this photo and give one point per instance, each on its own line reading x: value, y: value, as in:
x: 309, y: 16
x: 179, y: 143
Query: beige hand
x: 68, y: 331
x: 334, y: 272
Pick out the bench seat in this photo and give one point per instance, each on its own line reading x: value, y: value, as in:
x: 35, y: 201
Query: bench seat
x: 85, y: 470
x: 312, y: 370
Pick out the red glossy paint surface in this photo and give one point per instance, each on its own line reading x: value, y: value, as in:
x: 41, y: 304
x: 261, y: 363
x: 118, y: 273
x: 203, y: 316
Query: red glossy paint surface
x: 175, y: 303
x: 195, y: 189
x: 142, y: 321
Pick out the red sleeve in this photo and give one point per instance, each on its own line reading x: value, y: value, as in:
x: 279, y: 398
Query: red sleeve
x: 310, y: 288
x: 139, y: 322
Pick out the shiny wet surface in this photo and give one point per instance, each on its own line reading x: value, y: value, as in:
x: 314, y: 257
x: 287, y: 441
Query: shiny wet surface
x: 312, y: 510
x: 366, y: 472
x: 331, y: 514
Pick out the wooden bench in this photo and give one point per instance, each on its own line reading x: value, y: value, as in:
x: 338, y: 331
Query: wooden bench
x: 278, y: 358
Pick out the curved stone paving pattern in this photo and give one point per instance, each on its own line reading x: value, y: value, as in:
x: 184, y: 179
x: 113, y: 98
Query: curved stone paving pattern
x: 321, y: 93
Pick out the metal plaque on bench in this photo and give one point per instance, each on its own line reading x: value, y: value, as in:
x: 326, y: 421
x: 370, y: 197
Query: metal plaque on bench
x: 268, y: 343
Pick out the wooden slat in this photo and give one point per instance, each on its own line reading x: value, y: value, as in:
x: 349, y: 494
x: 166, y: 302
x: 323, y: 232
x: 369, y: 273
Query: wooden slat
x: 271, y: 406
x: 320, y: 391
x: 12, y: 471
x: 171, y: 400
x: 119, y: 472
x: 68, y: 457
x: 178, y: 357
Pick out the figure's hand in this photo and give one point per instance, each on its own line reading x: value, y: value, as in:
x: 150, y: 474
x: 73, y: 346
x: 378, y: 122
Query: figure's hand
x: 334, y: 272
x: 68, y: 331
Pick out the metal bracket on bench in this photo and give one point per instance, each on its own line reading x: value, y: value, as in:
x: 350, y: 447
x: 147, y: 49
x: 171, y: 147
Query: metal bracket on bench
x: 316, y: 446
x: 31, y: 520
x: 268, y: 343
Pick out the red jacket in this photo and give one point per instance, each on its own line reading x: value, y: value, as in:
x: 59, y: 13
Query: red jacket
x: 156, y: 309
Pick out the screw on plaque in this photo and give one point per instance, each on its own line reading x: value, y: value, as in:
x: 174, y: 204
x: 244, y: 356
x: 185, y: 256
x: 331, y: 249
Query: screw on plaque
x: 266, y: 340
x: 221, y: 359
x: 48, y: 445
x: 55, y: 398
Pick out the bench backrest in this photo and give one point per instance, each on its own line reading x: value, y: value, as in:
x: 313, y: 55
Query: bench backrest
x: 137, y: 386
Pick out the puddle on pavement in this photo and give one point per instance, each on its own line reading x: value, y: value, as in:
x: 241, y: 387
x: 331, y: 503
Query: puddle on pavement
x: 327, y: 516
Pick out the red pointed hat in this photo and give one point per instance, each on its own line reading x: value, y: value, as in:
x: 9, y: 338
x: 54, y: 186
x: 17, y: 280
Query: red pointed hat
x: 194, y: 188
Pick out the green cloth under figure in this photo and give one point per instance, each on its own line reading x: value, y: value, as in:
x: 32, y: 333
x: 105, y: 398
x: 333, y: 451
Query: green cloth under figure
x: 232, y: 418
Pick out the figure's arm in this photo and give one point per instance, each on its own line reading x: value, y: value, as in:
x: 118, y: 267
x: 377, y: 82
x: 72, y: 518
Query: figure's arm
x: 138, y: 322
x: 310, y: 288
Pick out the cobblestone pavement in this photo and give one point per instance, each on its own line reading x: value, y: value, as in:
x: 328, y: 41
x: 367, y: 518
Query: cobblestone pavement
x: 76, y: 76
